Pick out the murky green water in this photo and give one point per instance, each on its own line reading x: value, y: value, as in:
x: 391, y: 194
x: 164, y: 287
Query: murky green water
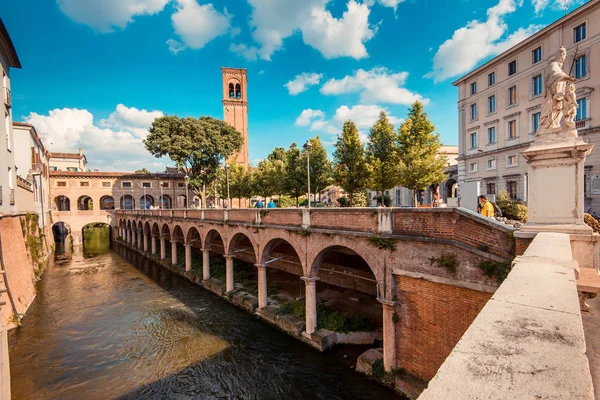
x: 114, y: 325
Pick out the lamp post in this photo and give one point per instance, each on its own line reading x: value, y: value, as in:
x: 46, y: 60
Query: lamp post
x: 132, y: 198
x: 145, y: 199
x: 162, y: 201
x: 187, y: 193
x: 227, y: 180
x: 308, y: 147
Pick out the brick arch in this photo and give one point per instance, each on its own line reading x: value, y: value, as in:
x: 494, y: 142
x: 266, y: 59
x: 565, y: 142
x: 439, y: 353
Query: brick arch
x: 273, y: 242
x: 140, y: 226
x: 165, y: 231
x: 128, y: 225
x: 155, y: 229
x: 147, y: 229
x: 234, y: 240
x: 320, y: 249
x: 193, y: 237
x: 210, y: 237
x: 177, y: 234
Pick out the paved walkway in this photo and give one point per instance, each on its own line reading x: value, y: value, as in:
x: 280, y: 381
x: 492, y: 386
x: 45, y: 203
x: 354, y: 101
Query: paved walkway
x: 591, y: 326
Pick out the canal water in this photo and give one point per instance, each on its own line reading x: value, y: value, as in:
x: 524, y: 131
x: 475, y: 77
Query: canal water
x: 107, y: 323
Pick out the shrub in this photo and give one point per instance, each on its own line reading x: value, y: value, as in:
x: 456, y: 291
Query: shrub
x: 448, y: 261
x: 511, y: 209
x: 387, y: 201
x: 327, y: 318
x: 495, y: 269
x: 343, y: 202
x: 383, y: 243
x: 591, y: 222
x: 378, y: 370
x: 285, y: 202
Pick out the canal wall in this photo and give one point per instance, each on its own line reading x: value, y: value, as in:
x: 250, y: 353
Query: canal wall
x: 24, y: 254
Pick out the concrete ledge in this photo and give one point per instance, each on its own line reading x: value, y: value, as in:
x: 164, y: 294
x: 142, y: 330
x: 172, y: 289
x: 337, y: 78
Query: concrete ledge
x: 528, y: 341
x: 480, y: 287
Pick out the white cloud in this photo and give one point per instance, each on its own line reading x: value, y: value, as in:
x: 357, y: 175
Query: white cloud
x: 343, y: 37
x: 105, y: 15
x: 377, y: 85
x: 302, y: 82
x: 540, y: 5
x: 477, y: 41
x: 308, y: 115
x: 386, y: 3
x: 199, y: 24
x: 364, y: 116
x: 110, y: 145
x: 175, y: 46
x: 274, y: 21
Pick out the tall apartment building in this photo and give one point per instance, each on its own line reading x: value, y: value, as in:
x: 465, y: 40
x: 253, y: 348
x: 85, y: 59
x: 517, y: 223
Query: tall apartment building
x: 8, y: 177
x: 499, y: 107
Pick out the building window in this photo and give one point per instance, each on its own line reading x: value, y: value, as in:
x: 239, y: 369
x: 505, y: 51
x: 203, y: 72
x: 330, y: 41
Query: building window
x: 126, y: 184
x: 473, y: 111
x: 473, y: 138
x: 72, y: 169
x: 397, y: 197
x: 180, y: 185
x: 146, y: 184
x: 84, y: 184
x: 512, y: 129
x: 492, y: 104
x: 61, y: 184
x: 105, y: 184
x: 512, y: 67
x: 511, y: 188
x: 473, y: 88
x: 491, y: 188
x: 165, y: 184
x: 580, y: 67
x: 511, y: 160
x: 491, y: 78
x: 579, y: 33
x: 536, y: 81
x: 536, y: 55
x: 535, y: 122
x: 582, y: 111
x: 473, y: 167
x: 492, y: 135
x: 512, y: 95
x: 491, y: 164
x: 54, y: 168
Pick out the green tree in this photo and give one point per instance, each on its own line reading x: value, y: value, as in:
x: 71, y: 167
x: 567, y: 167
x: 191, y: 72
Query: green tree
x: 142, y: 171
x: 383, y: 158
x: 320, y: 166
x: 197, y: 146
x: 294, y: 182
x: 350, y: 169
x: 422, y: 164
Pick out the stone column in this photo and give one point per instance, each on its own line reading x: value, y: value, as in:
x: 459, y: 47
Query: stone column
x: 311, y: 305
x: 145, y: 242
x: 188, y: 257
x: 163, y: 250
x: 153, y: 244
x: 133, y: 237
x: 127, y: 236
x: 389, y: 335
x: 228, y: 273
x: 139, y: 239
x: 205, y: 264
x: 173, y: 252
x: 262, y: 285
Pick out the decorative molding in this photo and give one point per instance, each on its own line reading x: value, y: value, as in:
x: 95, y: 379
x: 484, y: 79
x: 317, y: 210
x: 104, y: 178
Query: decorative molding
x: 534, y: 108
x: 495, y: 121
x: 473, y: 128
x: 512, y: 115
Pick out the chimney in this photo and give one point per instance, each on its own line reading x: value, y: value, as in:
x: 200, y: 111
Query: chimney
x: 80, y: 152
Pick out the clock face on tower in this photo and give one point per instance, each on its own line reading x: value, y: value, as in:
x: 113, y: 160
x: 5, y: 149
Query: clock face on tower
x: 235, y: 106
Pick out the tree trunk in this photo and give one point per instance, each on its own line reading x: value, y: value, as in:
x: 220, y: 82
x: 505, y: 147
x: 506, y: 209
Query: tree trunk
x: 350, y: 199
x: 414, y: 198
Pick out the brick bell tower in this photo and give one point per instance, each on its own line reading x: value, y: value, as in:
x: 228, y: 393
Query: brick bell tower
x: 235, y: 106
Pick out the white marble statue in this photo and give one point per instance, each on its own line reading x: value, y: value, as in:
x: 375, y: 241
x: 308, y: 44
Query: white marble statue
x: 555, y: 103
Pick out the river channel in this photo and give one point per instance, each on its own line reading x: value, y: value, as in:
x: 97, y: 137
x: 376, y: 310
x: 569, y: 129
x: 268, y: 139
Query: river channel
x: 107, y: 323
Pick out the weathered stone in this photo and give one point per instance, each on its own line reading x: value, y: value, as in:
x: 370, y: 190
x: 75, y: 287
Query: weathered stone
x: 365, y: 361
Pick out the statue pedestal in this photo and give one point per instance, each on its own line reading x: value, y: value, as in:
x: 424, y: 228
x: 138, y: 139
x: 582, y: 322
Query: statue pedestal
x: 555, y: 174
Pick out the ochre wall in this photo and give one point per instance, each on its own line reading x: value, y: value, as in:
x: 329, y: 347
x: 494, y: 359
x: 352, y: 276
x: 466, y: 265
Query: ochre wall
x: 432, y: 318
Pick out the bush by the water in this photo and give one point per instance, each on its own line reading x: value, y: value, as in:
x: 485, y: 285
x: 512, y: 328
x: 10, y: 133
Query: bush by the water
x: 511, y: 209
x: 327, y: 318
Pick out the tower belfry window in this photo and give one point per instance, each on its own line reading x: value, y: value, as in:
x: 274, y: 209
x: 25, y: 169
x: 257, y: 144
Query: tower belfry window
x: 238, y: 91
x: 231, y: 92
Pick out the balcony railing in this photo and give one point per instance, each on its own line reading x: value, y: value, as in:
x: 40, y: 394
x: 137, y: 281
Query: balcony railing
x: 7, y: 98
x: 24, y: 183
x: 582, y: 123
x: 11, y: 195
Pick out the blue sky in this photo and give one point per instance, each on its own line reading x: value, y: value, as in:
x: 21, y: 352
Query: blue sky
x: 96, y: 72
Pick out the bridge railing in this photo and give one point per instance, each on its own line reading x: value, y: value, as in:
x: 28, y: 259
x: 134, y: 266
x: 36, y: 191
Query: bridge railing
x: 456, y: 224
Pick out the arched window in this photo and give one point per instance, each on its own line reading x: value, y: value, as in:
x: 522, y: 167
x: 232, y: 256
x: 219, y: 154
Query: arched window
x: 146, y: 201
x: 181, y: 201
x: 63, y: 203
x: 107, y: 203
x: 127, y: 202
x: 85, y: 203
x: 231, y: 91
x: 238, y: 91
x: 165, y: 202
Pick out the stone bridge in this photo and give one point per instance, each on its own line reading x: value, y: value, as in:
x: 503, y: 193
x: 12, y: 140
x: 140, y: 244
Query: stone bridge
x: 427, y: 303
x: 75, y: 221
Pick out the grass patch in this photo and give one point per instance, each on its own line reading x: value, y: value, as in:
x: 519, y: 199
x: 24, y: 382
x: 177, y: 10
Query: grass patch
x: 327, y: 318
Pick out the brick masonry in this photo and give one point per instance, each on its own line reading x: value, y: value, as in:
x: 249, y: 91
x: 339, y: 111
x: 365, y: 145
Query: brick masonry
x: 432, y: 318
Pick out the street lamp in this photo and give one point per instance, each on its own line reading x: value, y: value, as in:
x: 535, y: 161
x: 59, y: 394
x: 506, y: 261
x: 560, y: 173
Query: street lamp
x: 187, y: 193
x: 227, y: 180
x: 145, y: 199
x: 308, y: 147
x: 162, y: 200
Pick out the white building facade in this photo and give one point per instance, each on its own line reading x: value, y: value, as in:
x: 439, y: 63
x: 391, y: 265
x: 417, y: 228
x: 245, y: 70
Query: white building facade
x: 8, y: 177
x: 499, y: 107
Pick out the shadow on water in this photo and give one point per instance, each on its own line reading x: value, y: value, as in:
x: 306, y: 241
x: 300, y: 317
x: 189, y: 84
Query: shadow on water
x: 103, y: 329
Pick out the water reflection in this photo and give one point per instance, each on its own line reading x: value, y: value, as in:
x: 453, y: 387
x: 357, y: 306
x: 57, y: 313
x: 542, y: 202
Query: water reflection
x: 102, y: 328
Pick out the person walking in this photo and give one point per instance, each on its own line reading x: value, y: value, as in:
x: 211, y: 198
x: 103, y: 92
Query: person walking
x: 259, y: 204
x: 271, y: 204
x: 487, y: 208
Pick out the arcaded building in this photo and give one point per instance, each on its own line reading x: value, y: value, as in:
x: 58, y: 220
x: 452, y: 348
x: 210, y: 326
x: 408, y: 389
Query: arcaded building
x: 499, y: 108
